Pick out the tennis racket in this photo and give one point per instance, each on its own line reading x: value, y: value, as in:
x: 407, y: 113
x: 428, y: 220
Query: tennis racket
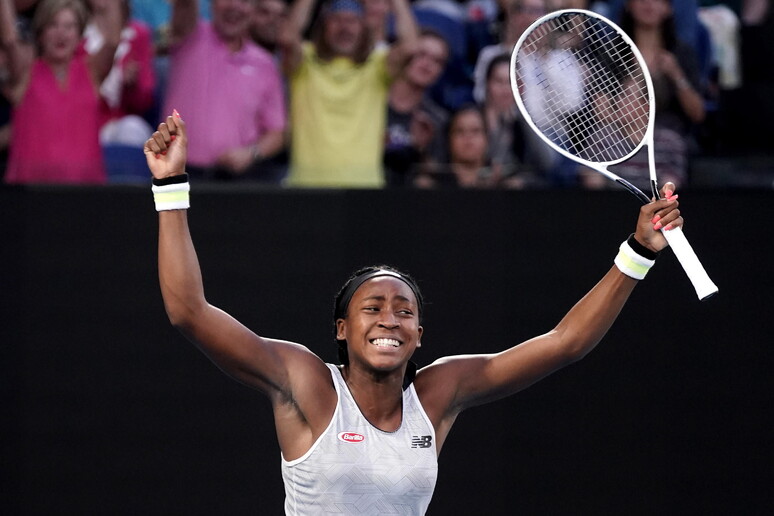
x: 583, y: 87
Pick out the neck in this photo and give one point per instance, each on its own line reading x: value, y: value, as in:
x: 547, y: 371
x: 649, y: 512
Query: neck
x: 378, y: 395
x: 234, y: 44
x: 648, y: 37
x: 405, y: 96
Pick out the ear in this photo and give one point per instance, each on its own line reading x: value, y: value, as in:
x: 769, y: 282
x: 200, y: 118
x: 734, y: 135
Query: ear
x: 420, y: 330
x: 341, y: 329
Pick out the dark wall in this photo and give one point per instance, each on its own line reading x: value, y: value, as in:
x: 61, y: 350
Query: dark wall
x: 107, y: 410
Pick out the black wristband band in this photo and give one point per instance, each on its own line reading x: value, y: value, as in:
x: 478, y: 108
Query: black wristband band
x: 641, y: 249
x: 171, y: 180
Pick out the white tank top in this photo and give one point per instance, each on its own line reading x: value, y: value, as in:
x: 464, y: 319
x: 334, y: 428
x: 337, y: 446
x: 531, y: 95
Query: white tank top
x: 355, y: 468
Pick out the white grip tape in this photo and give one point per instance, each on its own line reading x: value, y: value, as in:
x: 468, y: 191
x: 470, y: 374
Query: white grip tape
x: 690, y: 262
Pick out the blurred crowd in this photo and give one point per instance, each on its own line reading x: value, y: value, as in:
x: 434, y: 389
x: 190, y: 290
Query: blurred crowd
x: 344, y: 93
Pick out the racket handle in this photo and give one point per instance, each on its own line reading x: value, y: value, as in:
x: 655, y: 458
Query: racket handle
x: 690, y: 262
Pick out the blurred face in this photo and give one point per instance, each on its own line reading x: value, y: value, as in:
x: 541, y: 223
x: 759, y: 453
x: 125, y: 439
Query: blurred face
x: 231, y: 19
x: 498, y: 88
x: 268, y: 17
x: 382, y: 326
x: 521, y: 14
x: 343, y: 31
x: 60, y: 37
x: 428, y: 63
x: 649, y: 13
x: 467, y: 138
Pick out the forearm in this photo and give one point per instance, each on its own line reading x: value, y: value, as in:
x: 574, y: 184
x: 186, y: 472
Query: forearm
x: 109, y: 21
x: 406, y: 28
x: 590, y: 319
x: 690, y: 100
x: 179, y: 273
x: 299, y: 18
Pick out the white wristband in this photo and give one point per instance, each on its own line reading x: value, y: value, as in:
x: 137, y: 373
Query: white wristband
x: 172, y: 197
x: 631, y: 263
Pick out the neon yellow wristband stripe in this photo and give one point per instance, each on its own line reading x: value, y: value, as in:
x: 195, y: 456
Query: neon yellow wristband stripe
x: 172, y: 197
x: 632, y: 264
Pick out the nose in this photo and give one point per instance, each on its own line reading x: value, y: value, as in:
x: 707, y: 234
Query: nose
x: 389, y: 320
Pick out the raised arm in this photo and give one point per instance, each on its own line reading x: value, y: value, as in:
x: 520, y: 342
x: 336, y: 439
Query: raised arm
x: 291, y: 35
x: 255, y: 361
x: 109, y: 20
x: 19, y: 55
x: 407, y: 34
x: 476, y: 379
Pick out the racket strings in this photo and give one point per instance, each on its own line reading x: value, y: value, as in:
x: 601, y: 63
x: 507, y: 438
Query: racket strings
x: 584, y: 88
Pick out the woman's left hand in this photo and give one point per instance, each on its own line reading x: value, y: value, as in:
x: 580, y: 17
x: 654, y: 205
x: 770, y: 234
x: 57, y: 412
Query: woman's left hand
x: 657, y: 215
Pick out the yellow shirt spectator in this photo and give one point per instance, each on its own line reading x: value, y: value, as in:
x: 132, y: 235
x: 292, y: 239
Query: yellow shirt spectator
x: 338, y: 115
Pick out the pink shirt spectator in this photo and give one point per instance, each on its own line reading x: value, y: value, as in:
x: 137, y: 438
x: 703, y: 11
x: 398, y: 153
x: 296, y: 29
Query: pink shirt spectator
x: 227, y: 99
x: 55, y: 129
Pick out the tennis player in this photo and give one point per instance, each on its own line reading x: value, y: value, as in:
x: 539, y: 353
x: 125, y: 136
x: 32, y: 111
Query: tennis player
x: 363, y: 437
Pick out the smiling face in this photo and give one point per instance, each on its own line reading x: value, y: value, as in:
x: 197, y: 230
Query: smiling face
x: 343, y: 32
x: 60, y: 37
x: 231, y: 19
x: 382, y: 327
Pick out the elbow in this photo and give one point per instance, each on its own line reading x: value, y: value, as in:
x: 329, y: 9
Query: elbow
x: 183, y: 317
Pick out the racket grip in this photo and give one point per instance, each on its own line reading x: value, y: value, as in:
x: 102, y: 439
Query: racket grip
x: 690, y: 262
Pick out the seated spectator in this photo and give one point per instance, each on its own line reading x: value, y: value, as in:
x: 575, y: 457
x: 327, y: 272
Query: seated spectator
x: 516, y: 153
x: 415, y: 124
x: 127, y: 91
x: 59, y: 87
x: 674, y: 71
x: 468, y: 165
x: 269, y: 17
x: 338, y: 93
x: 229, y: 91
x: 518, y: 15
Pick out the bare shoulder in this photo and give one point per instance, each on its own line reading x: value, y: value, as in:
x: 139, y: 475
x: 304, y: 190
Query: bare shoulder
x: 439, y: 384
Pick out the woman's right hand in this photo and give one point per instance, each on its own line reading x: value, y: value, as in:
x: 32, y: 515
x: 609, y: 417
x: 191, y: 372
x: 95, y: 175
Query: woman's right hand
x: 166, y: 150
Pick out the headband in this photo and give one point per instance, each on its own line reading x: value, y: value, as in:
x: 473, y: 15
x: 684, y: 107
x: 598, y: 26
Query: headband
x: 346, y: 297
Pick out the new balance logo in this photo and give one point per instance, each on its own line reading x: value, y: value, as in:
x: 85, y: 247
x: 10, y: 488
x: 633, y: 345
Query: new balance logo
x: 421, y: 441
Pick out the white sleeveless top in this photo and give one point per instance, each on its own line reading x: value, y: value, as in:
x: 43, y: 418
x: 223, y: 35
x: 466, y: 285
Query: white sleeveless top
x: 355, y: 468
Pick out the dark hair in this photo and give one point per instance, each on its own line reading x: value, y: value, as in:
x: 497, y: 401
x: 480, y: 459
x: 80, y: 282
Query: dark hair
x: 497, y: 60
x: 343, y: 297
x: 668, y: 31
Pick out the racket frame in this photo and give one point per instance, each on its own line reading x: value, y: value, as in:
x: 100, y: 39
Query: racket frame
x: 675, y: 237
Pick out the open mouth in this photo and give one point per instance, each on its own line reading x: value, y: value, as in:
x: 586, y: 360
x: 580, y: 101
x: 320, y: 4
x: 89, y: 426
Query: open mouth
x: 385, y: 343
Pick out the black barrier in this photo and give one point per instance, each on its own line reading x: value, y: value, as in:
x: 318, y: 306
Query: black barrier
x: 110, y: 411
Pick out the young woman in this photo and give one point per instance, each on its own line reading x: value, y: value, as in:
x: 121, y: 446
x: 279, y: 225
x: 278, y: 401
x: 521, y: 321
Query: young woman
x: 371, y: 418
x: 59, y: 87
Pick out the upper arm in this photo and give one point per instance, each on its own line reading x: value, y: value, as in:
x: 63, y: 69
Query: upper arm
x: 268, y: 365
x: 472, y: 380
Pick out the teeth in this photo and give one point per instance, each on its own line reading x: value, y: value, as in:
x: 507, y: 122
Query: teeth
x: 386, y: 342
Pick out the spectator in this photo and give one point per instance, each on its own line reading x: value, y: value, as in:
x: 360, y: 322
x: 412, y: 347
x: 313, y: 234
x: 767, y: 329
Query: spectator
x: 269, y: 17
x: 415, y: 124
x: 229, y: 89
x: 468, y: 165
x: 519, y: 14
x: 338, y: 93
x: 516, y: 153
x: 59, y: 87
x: 127, y: 91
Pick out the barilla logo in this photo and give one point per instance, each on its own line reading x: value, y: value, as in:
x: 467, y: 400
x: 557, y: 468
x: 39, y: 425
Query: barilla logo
x: 351, y: 437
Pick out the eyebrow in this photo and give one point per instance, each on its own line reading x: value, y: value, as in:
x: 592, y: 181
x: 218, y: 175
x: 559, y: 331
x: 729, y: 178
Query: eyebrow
x: 379, y: 297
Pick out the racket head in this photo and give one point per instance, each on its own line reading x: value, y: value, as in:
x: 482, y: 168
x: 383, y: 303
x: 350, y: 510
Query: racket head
x: 582, y: 85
